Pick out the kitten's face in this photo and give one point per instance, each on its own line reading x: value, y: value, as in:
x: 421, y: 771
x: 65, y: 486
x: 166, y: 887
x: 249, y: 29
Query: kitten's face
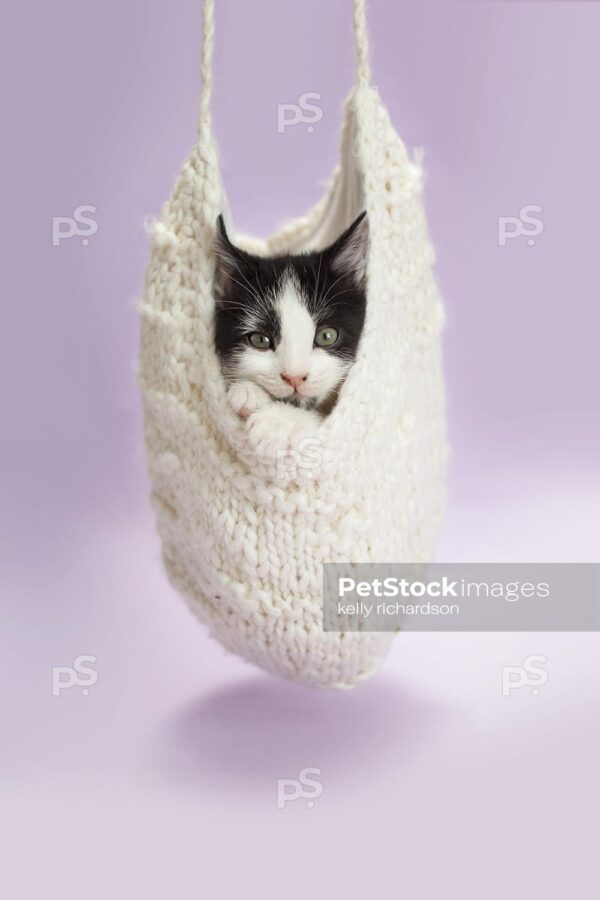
x: 291, y: 324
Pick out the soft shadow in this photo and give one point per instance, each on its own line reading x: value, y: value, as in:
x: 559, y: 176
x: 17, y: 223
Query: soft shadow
x: 248, y: 732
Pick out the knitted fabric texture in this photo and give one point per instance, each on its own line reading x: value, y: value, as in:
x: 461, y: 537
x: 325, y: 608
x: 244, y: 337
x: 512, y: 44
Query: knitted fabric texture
x: 243, y: 541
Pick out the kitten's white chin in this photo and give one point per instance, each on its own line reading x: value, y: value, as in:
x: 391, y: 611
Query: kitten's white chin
x: 299, y: 399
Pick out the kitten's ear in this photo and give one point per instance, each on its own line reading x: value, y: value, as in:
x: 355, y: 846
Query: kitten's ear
x: 349, y: 253
x: 227, y: 260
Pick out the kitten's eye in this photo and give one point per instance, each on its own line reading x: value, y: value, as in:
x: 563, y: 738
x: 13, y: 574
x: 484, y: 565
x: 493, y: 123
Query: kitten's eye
x: 259, y: 341
x: 326, y: 337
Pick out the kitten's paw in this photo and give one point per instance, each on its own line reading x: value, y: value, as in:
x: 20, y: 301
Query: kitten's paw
x: 279, y: 434
x: 263, y: 435
x: 245, y: 397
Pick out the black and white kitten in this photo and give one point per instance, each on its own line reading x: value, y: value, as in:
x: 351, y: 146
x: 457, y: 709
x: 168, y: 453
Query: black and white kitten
x: 287, y: 331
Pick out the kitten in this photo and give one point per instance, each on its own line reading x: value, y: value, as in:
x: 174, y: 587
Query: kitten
x: 287, y: 332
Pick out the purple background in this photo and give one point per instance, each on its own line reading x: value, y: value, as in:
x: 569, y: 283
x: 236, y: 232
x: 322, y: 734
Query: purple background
x: 163, y: 779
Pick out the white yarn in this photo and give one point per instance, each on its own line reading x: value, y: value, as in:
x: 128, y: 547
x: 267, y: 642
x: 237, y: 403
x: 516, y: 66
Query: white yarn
x: 244, y: 546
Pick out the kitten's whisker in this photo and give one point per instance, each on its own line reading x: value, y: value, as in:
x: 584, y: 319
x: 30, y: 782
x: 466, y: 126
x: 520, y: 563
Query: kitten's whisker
x: 317, y: 280
x: 253, y: 291
x: 238, y: 269
x: 323, y: 299
x: 261, y: 300
x: 327, y: 310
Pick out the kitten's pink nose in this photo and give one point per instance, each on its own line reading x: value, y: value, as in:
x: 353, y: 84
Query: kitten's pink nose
x: 295, y: 380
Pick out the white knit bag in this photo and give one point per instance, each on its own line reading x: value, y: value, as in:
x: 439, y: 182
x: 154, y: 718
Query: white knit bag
x: 243, y: 541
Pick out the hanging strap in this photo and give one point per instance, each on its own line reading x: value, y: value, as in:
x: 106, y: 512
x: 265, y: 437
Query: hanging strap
x: 363, y: 68
x: 363, y: 71
x: 206, y: 67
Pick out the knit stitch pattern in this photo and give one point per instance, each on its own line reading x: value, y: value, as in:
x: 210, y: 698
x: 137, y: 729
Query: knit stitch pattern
x: 242, y: 540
